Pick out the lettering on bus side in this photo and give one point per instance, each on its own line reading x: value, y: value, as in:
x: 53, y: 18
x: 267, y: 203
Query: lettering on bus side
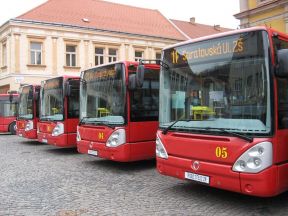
x: 101, y: 136
x: 25, y: 90
x: 202, y: 51
x: 101, y: 73
x: 221, y: 152
x: 54, y: 83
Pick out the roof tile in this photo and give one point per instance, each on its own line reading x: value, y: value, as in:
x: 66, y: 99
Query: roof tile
x: 195, y: 30
x: 105, y: 16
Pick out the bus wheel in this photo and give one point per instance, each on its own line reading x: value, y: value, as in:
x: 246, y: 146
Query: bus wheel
x: 12, y: 128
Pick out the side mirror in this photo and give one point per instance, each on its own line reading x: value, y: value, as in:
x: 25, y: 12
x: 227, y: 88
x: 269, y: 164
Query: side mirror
x: 140, y: 76
x: 11, y: 98
x: 282, y: 70
x: 132, y: 82
x: 36, y: 96
x: 118, y: 71
x: 67, y: 89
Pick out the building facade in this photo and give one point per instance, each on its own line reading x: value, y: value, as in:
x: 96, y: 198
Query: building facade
x: 57, y: 38
x: 271, y: 13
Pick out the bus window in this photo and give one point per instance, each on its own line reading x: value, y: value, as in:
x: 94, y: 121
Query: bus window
x: 145, y: 100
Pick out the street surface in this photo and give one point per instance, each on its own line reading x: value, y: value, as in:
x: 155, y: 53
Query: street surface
x: 39, y: 179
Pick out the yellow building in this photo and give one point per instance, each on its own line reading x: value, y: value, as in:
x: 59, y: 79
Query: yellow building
x: 271, y: 13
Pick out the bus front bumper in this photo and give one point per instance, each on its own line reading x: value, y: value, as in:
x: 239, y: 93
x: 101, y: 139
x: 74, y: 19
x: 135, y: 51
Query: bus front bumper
x: 123, y: 153
x: 63, y: 140
x: 120, y: 153
x: 31, y: 134
x: 263, y: 184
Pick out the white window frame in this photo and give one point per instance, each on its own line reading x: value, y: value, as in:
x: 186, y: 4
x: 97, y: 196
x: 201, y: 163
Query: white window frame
x: 112, y: 58
x: 35, y: 52
x: 99, y: 56
x: 137, y: 58
x: 71, y: 54
x: 4, y: 54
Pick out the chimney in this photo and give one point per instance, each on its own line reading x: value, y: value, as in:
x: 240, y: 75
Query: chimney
x: 217, y: 27
x: 192, y: 20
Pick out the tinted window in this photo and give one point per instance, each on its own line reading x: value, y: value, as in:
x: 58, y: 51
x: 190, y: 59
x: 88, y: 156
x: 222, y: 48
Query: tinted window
x: 73, y: 99
x: 145, y: 101
x: 282, y: 88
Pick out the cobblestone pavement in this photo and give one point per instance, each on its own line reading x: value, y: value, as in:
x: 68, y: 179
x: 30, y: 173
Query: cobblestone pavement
x: 38, y: 179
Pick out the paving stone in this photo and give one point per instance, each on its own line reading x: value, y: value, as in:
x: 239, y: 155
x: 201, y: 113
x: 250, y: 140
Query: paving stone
x: 39, y: 179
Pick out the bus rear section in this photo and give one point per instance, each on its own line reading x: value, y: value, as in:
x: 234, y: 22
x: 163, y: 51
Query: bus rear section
x: 221, y: 123
x: 59, y: 115
x: 119, y: 122
x: 8, y: 112
x: 28, y: 112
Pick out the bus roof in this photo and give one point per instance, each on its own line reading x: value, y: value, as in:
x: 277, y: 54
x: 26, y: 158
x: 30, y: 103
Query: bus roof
x: 237, y: 31
x: 5, y: 97
x: 63, y: 76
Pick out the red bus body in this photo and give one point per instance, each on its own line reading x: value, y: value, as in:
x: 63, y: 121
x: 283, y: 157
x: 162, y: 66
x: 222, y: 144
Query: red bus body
x: 139, y: 133
x: 28, y: 114
x: 212, y: 156
x: 8, y: 112
x: 57, y: 126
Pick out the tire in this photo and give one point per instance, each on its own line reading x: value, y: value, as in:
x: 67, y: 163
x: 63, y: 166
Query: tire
x: 12, y: 128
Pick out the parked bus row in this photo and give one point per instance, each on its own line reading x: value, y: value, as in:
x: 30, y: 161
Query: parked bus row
x: 222, y: 102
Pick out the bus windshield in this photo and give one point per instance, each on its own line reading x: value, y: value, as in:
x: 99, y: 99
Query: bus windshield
x: 102, y: 93
x: 52, y: 102
x: 8, y: 105
x: 220, y: 84
x: 26, y: 103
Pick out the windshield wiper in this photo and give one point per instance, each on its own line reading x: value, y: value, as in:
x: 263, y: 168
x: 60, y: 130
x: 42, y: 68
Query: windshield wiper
x: 244, y: 137
x: 171, y: 125
x: 47, y: 118
x: 105, y: 123
x: 96, y: 122
x: 82, y: 120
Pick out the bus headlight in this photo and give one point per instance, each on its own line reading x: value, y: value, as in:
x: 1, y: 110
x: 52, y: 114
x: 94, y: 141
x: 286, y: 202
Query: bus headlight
x: 255, y: 159
x: 117, y: 138
x: 29, y: 126
x: 58, y: 130
x: 78, y: 137
x: 160, y: 149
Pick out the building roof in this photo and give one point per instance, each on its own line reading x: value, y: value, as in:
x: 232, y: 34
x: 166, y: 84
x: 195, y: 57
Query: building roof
x: 106, y: 16
x: 195, y: 30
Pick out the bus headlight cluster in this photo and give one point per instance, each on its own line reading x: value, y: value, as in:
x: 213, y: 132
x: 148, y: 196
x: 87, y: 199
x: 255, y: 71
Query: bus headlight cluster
x: 160, y: 149
x: 78, y: 137
x: 58, y: 130
x: 255, y: 159
x: 29, y: 126
x: 117, y: 138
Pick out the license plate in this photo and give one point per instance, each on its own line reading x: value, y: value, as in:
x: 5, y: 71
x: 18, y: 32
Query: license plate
x: 197, y: 177
x: 20, y: 135
x: 44, y: 140
x: 92, y: 152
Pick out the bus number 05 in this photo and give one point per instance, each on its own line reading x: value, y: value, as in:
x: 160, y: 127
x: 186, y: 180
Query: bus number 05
x: 221, y: 152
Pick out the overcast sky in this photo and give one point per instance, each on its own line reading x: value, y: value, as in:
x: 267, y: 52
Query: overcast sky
x: 205, y: 11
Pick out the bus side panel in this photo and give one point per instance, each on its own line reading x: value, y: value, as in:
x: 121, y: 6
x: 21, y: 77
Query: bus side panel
x: 142, y: 136
x: 142, y: 131
x: 281, y: 147
x: 71, y: 125
x: 282, y: 179
x: 71, y: 128
x: 5, y: 122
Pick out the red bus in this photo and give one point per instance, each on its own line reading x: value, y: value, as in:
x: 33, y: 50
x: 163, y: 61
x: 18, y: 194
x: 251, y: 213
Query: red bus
x: 59, y: 111
x: 223, y: 117
x: 119, y: 111
x: 8, y: 112
x: 28, y: 112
